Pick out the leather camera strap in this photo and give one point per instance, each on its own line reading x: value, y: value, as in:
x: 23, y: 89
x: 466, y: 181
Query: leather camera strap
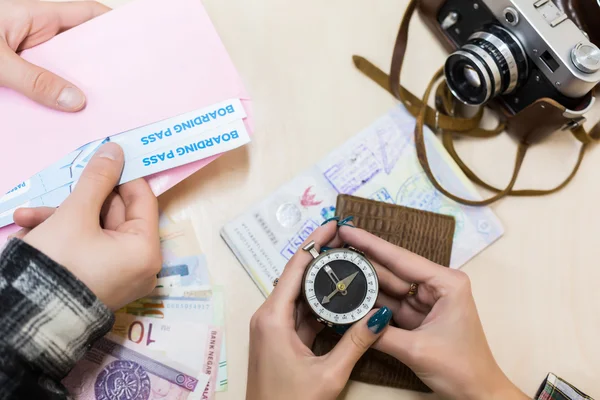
x: 444, y: 120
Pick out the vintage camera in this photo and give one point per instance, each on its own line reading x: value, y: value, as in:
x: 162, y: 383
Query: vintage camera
x: 512, y: 54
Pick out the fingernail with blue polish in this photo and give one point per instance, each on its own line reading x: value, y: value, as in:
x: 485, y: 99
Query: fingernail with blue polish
x: 379, y: 320
x: 325, y: 248
x: 329, y: 220
x: 345, y: 221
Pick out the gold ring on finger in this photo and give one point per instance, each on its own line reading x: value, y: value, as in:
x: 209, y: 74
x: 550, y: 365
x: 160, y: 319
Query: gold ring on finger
x: 413, y: 289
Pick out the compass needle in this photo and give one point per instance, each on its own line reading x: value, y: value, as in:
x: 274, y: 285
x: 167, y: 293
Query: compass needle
x: 332, y: 275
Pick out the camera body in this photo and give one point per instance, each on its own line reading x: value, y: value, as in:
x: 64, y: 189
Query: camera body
x: 526, y: 58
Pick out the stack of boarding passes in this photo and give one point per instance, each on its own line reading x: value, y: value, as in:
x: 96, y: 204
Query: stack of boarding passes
x: 148, y: 150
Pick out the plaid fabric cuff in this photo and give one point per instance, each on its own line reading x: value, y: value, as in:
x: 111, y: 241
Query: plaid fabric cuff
x: 48, y: 316
x: 554, y: 388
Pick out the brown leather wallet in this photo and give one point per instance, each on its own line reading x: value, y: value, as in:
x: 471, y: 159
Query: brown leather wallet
x: 427, y: 234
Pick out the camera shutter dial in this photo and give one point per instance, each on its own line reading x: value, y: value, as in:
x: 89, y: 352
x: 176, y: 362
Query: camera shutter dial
x: 586, y: 57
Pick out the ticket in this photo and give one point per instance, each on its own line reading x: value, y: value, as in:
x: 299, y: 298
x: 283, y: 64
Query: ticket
x: 185, y: 150
x: 198, y: 133
x: 150, y: 138
x: 53, y: 177
x: 50, y: 199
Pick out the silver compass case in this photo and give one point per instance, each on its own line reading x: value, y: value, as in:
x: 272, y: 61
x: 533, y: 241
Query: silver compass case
x: 340, y: 286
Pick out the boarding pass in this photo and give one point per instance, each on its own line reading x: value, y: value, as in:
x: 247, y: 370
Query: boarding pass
x: 148, y: 150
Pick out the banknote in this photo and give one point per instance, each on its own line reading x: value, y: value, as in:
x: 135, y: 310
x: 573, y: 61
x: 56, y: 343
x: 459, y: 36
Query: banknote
x: 378, y: 163
x: 185, y: 271
x: 178, y: 240
x: 222, y: 375
x: 194, y: 345
x: 179, y: 340
x: 113, y: 370
x: 197, y: 311
x: 193, y: 309
x: 180, y: 292
x: 179, y: 247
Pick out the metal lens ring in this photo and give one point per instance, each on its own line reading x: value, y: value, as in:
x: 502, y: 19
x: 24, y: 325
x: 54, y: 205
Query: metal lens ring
x: 504, y: 64
x: 469, y: 78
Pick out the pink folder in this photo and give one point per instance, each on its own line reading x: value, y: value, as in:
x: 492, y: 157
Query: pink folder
x: 139, y: 64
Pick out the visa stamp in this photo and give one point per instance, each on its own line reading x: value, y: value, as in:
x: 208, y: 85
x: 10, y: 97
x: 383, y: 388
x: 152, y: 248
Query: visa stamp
x: 417, y: 192
x: 294, y: 243
x: 382, y: 195
x: 391, y: 144
x: 350, y: 174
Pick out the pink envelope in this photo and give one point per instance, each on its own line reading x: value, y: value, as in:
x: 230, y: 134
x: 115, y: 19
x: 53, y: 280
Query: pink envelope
x: 139, y: 64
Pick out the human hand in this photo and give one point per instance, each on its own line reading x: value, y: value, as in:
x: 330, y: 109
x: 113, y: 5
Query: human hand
x: 119, y: 260
x: 440, y: 336
x: 27, y: 23
x: 281, y: 364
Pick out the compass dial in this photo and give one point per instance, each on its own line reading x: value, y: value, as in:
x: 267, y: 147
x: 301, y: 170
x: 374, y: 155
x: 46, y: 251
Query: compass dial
x: 341, y: 286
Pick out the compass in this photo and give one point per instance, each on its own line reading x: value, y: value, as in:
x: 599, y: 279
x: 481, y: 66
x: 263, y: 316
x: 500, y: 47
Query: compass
x: 340, y: 285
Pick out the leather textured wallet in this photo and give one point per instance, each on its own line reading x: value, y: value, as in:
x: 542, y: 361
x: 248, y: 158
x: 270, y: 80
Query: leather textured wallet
x: 427, y: 234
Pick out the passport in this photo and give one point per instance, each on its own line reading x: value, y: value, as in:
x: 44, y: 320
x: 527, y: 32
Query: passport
x: 379, y: 163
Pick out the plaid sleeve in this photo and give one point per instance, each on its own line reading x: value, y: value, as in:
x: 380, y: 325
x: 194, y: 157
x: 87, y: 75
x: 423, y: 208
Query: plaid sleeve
x: 554, y: 388
x: 48, y: 318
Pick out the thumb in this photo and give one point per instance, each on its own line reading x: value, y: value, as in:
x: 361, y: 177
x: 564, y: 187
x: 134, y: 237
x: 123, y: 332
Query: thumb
x: 97, y: 181
x: 38, y: 84
x: 357, y: 340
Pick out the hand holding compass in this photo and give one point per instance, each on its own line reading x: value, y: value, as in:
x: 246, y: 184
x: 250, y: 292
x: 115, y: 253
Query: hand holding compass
x: 282, y: 364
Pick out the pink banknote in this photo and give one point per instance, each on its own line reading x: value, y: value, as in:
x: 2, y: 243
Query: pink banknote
x: 112, y: 371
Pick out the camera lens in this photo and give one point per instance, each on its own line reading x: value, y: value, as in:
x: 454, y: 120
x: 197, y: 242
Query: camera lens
x: 491, y: 63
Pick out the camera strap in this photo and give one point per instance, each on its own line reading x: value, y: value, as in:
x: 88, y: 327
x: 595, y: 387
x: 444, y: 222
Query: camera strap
x: 443, y: 120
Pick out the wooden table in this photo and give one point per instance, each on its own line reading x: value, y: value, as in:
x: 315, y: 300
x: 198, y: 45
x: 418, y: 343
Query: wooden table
x: 536, y: 288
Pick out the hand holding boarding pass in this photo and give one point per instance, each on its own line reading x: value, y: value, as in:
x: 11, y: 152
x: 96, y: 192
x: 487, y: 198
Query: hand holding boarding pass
x: 117, y: 261
x: 48, y: 148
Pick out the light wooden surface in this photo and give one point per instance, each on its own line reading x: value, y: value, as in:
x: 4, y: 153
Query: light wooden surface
x: 537, y: 288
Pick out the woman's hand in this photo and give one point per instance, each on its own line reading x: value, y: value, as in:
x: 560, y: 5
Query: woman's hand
x: 117, y: 260
x: 282, y: 365
x: 27, y: 23
x: 440, y: 336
